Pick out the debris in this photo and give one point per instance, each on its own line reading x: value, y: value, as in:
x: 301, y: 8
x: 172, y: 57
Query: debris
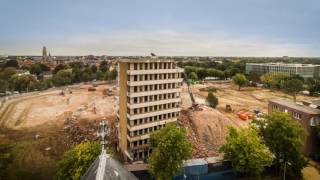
x: 48, y: 149
x: 37, y: 136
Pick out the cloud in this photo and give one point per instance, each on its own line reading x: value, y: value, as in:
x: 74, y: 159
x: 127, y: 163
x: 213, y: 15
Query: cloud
x: 174, y: 43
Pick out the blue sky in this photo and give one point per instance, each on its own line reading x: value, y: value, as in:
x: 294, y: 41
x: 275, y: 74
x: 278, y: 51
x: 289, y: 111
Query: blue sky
x: 166, y: 27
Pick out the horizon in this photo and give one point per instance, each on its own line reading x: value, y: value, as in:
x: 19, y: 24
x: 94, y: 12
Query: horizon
x: 167, y: 28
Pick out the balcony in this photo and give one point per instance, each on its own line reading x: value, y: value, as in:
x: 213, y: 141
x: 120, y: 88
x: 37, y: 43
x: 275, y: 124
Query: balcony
x: 151, y: 124
x: 154, y: 113
x: 153, y: 103
x: 150, y: 82
x: 155, y: 92
x: 154, y: 71
x: 138, y: 137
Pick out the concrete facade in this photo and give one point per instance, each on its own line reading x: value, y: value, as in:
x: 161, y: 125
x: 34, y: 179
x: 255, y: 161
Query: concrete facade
x: 149, y: 98
x: 304, y: 70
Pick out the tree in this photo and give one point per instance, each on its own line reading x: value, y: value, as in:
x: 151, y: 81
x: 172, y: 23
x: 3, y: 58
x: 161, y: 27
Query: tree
x: 21, y: 83
x: 77, y: 160
x: 170, y: 148
x: 212, y: 100
x: 313, y: 86
x: 293, y: 87
x: 285, y: 138
x: 59, y: 67
x: 104, y: 66
x: 110, y: 75
x: 193, y: 76
x: 63, y: 77
x: 36, y: 69
x: 246, y: 151
x: 12, y: 63
x: 6, y: 73
x: 240, y: 80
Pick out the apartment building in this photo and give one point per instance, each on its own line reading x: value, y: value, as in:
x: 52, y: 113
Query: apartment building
x: 149, y: 98
x: 306, y: 113
x: 304, y: 70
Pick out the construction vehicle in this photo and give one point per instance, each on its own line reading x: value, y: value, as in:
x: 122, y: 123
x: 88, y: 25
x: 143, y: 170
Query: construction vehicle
x: 195, y: 105
x: 228, y: 108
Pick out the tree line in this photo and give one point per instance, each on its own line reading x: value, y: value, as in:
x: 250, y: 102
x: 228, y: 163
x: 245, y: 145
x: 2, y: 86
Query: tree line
x: 62, y: 74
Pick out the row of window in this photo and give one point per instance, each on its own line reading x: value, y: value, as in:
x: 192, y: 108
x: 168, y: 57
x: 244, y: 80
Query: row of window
x: 294, y: 114
x: 152, y: 65
x: 153, y: 118
x: 154, y: 108
x: 152, y: 98
x: 141, y: 154
x: 145, y: 131
x: 150, y: 77
x: 155, y: 87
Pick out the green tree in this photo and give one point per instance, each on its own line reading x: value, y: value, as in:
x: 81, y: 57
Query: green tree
x: 110, y: 75
x: 12, y: 63
x: 59, y: 67
x: 212, y: 100
x: 22, y: 83
x: 77, y: 160
x: 313, y: 86
x: 293, y: 87
x: 246, y: 151
x: 6, y: 73
x: 240, y: 80
x: 104, y: 66
x: 36, y: 69
x: 193, y: 76
x: 170, y: 148
x: 284, y: 137
x: 63, y: 77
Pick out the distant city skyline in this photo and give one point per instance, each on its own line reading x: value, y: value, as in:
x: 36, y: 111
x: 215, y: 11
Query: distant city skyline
x: 167, y: 27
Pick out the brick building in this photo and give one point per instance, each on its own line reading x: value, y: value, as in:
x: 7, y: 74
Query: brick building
x: 306, y: 114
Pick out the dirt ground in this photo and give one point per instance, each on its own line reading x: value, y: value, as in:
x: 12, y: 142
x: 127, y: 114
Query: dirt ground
x: 210, y: 126
x: 46, y: 124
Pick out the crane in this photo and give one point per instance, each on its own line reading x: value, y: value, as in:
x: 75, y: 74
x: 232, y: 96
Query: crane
x: 195, y: 105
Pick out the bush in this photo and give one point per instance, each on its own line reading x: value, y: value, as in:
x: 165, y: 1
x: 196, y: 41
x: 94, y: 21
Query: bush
x: 212, y: 100
x: 77, y: 160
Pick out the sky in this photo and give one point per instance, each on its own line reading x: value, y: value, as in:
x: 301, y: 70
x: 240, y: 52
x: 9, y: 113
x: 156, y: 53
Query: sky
x: 165, y: 27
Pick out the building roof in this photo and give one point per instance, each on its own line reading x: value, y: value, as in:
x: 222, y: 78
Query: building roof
x: 316, y: 102
x: 146, y: 60
x: 299, y: 107
x: 284, y: 64
x: 107, y: 168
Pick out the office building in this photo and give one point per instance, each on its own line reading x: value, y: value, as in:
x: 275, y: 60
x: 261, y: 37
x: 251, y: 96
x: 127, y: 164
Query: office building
x: 149, y: 98
x: 303, y: 70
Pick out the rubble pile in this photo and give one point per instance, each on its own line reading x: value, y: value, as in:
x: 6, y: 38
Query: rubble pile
x: 79, y: 130
x: 198, y: 149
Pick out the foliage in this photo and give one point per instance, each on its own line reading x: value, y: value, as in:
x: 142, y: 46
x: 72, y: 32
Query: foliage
x: 170, y: 148
x: 313, y: 86
x: 110, y: 75
x: 6, y: 73
x: 63, y: 77
x: 246, y: 151
x: 104, y: 66
x: 6, y: 158
x: 22, y: 83
x: 193, y: 76
x: 59, y: 67
x: 285, y: 138
x: 274, y: 80
x: 12, y: 63
x: 240, y: 80
x: 212, y: 100
x: 293, y: 87
x: 77, y: 160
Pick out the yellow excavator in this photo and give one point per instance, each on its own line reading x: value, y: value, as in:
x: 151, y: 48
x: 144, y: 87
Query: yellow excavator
x: 195, y: 105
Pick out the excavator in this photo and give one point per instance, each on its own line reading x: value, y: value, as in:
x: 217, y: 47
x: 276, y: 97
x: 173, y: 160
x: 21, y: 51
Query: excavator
x: 195, y: 105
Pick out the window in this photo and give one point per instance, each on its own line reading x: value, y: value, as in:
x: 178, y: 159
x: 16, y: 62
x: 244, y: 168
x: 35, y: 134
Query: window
x: 314, y: 121
x: 296, y: 115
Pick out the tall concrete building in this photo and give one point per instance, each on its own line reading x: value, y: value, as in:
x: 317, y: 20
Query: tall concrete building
x: 304, y: 70
x: 44, y: 53
x: 149, y: 98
